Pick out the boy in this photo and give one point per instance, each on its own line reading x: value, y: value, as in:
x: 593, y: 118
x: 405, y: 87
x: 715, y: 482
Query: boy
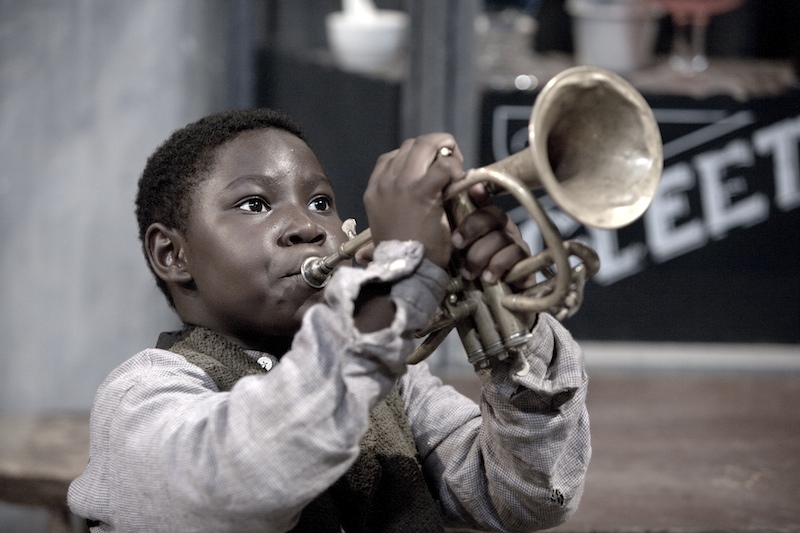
x: 282, y: 408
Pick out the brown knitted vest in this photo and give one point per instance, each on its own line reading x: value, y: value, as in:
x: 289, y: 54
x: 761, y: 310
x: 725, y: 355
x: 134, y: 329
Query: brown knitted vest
x: 384, y: 490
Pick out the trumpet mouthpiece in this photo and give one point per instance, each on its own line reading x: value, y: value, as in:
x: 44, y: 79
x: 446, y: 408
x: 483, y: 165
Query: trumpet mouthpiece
x: 315, y: 272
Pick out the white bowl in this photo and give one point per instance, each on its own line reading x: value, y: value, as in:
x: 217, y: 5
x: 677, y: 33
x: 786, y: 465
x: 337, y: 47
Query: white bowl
x: 372, y: 44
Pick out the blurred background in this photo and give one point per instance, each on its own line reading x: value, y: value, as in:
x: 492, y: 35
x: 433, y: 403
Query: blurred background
x: 691, y: 328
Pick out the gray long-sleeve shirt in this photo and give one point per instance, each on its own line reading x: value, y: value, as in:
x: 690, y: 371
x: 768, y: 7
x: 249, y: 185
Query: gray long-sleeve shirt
x: 169, y: 452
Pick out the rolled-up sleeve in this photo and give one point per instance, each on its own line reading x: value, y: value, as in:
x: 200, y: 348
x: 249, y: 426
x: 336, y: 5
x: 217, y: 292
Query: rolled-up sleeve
x: 517, y: 460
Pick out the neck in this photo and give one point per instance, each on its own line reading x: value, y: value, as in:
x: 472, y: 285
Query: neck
x: 273, y: 345
x: 276, y: 345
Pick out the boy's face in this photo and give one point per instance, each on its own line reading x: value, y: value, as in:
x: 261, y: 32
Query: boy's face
x: 266, y: 207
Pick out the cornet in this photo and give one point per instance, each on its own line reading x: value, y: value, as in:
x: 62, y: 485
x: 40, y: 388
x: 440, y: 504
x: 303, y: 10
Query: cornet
x: 594, y: 146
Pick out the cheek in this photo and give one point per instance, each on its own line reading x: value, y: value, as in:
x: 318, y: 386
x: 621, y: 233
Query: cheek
x: 229, y: 273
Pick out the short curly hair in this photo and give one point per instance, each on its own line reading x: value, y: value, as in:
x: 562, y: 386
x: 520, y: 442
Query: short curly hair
x: 174, y: 171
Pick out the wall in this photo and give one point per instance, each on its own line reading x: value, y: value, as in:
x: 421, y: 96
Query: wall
x: 88, y: 88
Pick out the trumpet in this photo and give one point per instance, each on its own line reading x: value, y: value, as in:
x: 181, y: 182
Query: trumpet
x: 595, y: 148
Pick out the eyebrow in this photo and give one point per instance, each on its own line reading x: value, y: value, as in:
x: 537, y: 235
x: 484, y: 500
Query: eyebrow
x: 263, y: 179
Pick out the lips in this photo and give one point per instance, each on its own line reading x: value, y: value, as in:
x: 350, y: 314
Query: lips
x: 296, y: 271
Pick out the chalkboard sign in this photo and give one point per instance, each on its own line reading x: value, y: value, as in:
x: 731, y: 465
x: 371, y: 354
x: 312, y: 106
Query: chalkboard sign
x: 716, y: 258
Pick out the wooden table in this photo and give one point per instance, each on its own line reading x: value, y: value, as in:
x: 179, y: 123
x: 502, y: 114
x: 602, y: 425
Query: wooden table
x: 689, y: 452
x: 39, y: 456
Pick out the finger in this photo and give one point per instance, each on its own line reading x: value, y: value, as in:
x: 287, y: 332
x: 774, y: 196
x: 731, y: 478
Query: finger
x: 502, y: 262
x: 491, y: 257
x: 382, y: 163
x: 419, y: 161
x: 479, y: 223
x: 512, y: 230
x: 443, y: 160
x: 432, y: 147
x: 450, y: 159
x: 365, y: 254
x: 479, y: 195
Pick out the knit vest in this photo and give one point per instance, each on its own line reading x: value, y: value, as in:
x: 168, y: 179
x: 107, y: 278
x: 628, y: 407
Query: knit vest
x: 383, y: 491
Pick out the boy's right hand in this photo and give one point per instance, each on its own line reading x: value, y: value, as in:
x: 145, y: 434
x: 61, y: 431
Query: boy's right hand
x: 404, y: 196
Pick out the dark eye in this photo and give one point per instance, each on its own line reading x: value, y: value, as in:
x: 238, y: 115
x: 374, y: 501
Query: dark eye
x: 321, y: 203
x: 254, y: 205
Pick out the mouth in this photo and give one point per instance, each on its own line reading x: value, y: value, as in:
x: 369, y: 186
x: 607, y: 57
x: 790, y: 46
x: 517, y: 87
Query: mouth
x: 294, y: 274
x: 302, y: 273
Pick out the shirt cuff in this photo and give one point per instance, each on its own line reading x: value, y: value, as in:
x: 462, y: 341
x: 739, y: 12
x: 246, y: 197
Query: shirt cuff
x: 551, y: 365
x: 417, y: 288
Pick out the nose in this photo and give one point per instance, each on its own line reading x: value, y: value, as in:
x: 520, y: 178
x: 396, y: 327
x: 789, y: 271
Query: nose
x: 299, y: 227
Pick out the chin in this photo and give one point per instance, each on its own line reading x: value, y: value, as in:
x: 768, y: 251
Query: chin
x: 316, y: 298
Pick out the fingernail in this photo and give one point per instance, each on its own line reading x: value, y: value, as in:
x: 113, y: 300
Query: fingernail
x: 458, y: 240
x: 488, y: 277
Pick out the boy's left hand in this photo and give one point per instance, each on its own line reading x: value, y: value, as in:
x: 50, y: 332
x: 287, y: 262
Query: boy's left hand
x: 490, y: 243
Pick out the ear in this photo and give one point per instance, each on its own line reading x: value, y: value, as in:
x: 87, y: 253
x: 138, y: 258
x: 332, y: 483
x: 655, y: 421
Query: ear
x: 167, y: 255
